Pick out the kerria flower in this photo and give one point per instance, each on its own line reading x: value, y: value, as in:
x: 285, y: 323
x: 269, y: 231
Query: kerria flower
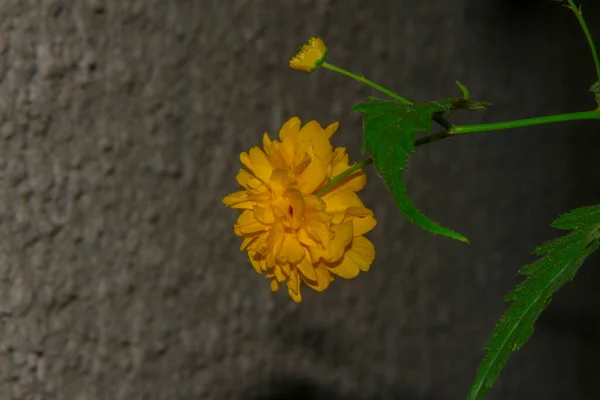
x: 310, y: 56
x: 290, y: 233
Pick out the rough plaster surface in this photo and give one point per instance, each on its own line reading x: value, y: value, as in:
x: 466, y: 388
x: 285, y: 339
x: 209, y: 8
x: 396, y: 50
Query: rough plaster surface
x: 120, y: 126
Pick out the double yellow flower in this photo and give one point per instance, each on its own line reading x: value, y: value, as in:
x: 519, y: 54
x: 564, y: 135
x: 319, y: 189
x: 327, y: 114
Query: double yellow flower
x: 292, y: 235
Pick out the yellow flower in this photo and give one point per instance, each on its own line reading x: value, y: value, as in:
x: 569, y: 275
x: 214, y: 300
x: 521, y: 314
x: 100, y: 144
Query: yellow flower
x: 290, y: 233
x: 310, y: 56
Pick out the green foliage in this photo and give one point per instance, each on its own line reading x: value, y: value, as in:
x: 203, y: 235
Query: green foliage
x: 389, y: 132
x: 465, y: 102
x: 561, y: 258
x: 464, y: 90
x: 459, y: 102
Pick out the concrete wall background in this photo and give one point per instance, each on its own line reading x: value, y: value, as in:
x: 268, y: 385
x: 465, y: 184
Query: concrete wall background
x: 120, y: 126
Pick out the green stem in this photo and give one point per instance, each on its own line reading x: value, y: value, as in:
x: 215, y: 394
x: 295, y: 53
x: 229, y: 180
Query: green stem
x: 431, y: 138
x: 577, y: 11
x: 338, y: 178
x: 461, y: 130
x: 364, y: 80
x: 437, y: 118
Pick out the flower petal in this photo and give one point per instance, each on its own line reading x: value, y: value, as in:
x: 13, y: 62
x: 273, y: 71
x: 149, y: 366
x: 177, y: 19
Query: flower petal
x: 239, y: 200
x: 333, y: 246
x: 245, y: 205
x: 307, y: 269
x: 363, y: 225
x: 289, y: 140
x: 264, y: 214
x: 274, y: 243
x: 285, y: 268
x: 331, y: 129
x: 354, y: 182
x: 345, y: 268
x: 267, y: 143
x: 362, y: 219
x: 257, y: 162
x: 304, y: 238
x: 290, y: 129
x: 340, y: 156
x: 235, y: 198
x: 280, y: 180
x: 313, y: 132
x: 338, y: 218
x: 279, y: 274
x: 291, y: 250
x: 275, y: 154
x: 315, y: 209
x: 340, y: 200
x: 313, y: 176
x: 293, y: 285
x: 247, y: 180
x: 275, y: 285
x: 247, y: 241
x: 323, y: 278
x: 301, y: 166
x: 342, y: 237
x: 319, y: 233
x: 358, y: 258
x: 248, y: 224
x: 361, y: 252
x: 255, y: 261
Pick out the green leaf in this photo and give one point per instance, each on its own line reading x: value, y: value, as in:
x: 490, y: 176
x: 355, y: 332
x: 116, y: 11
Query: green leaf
x: 561, y: 258
x: 577, y: 218
x: 465, y: 102
x: 389, y: 132
x: 464, y: 90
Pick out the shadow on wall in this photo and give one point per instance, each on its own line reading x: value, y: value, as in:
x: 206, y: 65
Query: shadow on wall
x: 517, y: 9
x: 298, y: 388
x: 295, y: 389
x: 522, y: 8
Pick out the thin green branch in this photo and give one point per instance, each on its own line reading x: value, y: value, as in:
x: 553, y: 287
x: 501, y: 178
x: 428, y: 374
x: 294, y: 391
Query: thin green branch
x: 338, y: 178
x: 461, y: 130
x: 577, y: 11
x: 457, y: 130
x: 364, y: 80
x: 431, y: 138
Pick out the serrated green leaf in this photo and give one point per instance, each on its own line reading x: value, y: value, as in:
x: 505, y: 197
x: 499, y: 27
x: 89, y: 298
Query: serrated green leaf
x: 389, y: 133
x: 576, y: 218
x: 561, y: 259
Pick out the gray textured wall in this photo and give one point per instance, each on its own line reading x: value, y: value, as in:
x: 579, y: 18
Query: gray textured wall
x: 120, y: 126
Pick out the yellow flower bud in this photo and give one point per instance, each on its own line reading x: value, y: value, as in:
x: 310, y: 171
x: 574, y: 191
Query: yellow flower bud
x: 310, y: 56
